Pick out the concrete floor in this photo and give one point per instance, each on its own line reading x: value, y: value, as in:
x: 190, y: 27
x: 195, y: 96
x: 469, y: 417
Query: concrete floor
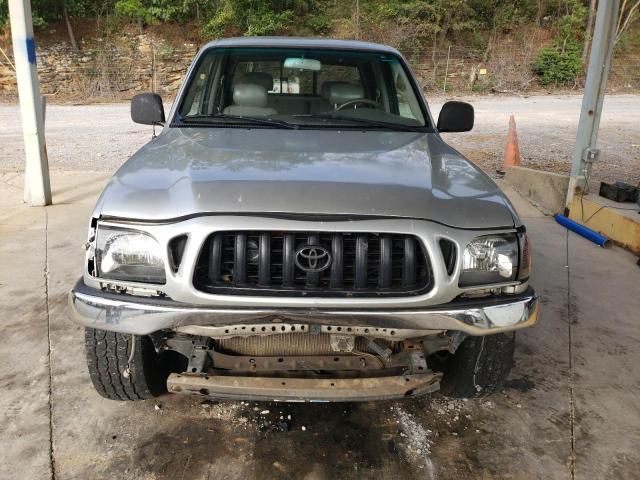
x: 571, y: 408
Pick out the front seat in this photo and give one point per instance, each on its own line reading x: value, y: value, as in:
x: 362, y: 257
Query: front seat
x: 259, y: 78
x: 328, y: 85
x: 340, y: 93
x: 321, y: 105
x: 249, y: 100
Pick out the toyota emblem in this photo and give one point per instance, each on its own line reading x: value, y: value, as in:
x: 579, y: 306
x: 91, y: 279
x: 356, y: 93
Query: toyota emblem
x: 313, y: 258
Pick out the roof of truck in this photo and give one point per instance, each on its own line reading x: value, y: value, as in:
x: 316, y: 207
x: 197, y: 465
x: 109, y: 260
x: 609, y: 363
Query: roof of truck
x: 301, y: 42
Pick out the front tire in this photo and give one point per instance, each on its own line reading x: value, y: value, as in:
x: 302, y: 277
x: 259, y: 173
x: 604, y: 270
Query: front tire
x: 114, y: 376
x: 479, y: 366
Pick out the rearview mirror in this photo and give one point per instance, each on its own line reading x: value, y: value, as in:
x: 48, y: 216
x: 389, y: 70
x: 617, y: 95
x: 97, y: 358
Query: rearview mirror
x: 455, y: 117
x: 147, y: 109
x: 295, y: 63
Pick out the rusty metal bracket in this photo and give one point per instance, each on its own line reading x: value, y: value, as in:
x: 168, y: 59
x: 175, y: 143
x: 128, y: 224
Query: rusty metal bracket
x: 245, y: 363
x: 200, y: 355
x: 456, y: 339
x: 383, y: 352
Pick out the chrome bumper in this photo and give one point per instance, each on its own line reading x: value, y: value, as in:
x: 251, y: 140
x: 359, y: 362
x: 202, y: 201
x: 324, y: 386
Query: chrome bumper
x: 142, y: 316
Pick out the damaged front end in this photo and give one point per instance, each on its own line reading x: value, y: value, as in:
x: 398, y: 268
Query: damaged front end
x: 297, y: 362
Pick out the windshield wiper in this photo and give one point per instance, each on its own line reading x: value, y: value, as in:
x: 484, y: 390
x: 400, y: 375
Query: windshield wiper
x: 240, y: 118
x: 363, y: 121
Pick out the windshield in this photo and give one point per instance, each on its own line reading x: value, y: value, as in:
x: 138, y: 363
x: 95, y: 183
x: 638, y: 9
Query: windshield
x: 296, y: 87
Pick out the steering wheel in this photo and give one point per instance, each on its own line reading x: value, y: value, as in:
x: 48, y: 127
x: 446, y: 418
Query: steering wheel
x: 358, y: 101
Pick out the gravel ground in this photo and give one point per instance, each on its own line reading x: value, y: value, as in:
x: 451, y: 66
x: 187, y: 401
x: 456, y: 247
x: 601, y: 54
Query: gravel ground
x: 102, y: 137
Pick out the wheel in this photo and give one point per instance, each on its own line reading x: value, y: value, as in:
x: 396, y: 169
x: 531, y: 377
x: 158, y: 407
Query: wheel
x: 479, y: 367
x: 117, y: 378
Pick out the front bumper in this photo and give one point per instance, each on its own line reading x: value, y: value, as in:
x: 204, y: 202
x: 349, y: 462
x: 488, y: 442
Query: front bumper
x: 144, y: 315
x: 304, y: 389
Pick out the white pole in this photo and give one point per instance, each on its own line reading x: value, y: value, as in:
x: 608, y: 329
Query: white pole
x: 37, y: 188
x: 585, y: 152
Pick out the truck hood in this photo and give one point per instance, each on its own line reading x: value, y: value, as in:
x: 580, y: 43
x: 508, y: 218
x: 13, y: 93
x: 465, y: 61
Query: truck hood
x: 191, y: 171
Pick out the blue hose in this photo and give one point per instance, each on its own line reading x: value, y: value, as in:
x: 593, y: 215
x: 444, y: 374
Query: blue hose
x: 586, y: 232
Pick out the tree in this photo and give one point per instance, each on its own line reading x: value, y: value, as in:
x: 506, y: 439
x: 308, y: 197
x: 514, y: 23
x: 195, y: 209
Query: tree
x: 67, y: 21
x: 629, y: 13
x: 589, y: 31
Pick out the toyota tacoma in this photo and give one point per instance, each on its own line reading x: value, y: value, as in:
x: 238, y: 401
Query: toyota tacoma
x: 300, y: 231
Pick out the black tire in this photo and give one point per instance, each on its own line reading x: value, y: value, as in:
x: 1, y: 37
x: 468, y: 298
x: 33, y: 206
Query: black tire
x: 108, y: 359
x: 479, y: 367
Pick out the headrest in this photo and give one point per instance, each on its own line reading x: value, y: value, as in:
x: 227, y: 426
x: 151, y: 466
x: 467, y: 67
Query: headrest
x: 259, y: 78
x: 249, y: 95
x: 343, y: 92
x: 326, y: 87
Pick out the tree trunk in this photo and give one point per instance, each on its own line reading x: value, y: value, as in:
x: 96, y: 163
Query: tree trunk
x: 72, y: 37
x: 357, y: 19
x: 588, y: 32
x: 539, y: 12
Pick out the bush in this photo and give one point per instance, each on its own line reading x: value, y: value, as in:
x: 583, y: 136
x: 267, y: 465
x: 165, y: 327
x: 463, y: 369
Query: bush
x: 320, y: 24
x: 558, y: 67
x: 562, y: 63
x: 217, y: 26
x: 269, y: 23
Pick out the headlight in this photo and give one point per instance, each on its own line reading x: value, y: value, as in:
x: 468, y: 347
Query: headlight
x: 129, y: 255
x: 490, y: 259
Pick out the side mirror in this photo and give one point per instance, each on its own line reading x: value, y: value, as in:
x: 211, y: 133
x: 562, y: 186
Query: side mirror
x: 147, y: 108
x: 455, y: 117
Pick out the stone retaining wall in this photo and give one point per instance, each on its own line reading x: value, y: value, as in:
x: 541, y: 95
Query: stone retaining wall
x: 115, y: 68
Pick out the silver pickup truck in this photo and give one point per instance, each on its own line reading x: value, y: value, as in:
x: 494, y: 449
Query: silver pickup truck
x: 300, y: 231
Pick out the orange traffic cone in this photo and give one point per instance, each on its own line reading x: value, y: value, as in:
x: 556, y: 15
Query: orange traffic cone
x: 511, y: 151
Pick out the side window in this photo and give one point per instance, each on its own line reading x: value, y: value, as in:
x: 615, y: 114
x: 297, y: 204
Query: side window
x: 195, y: 102
x: 407, y: 105
x: 401, y: 92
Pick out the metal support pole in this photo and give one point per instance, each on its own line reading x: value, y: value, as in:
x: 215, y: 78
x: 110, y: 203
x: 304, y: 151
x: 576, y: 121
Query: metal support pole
x: 37, y: 188
x: 585, y: 152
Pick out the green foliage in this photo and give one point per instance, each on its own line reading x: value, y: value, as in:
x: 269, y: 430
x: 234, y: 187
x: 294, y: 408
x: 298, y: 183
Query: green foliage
x: 556, y: 66
x: 571, y: 27
x: 509, y: 16
x: 152, y: 11
x: 412, y: 24
x: 266, y: 17
x: 421, y: 20
x: 216, y: 26
x: 433, y: 15
x: 562, y: 63
x: 131, y: 8
x: 269, y: 23
x: 319, y: 23
x: 503, y: 15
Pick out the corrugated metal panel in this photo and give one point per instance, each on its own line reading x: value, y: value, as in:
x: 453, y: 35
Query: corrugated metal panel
x: 286, y: 344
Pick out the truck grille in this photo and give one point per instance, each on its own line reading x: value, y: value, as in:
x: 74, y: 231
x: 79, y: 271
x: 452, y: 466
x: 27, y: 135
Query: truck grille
x: 313, y: 263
